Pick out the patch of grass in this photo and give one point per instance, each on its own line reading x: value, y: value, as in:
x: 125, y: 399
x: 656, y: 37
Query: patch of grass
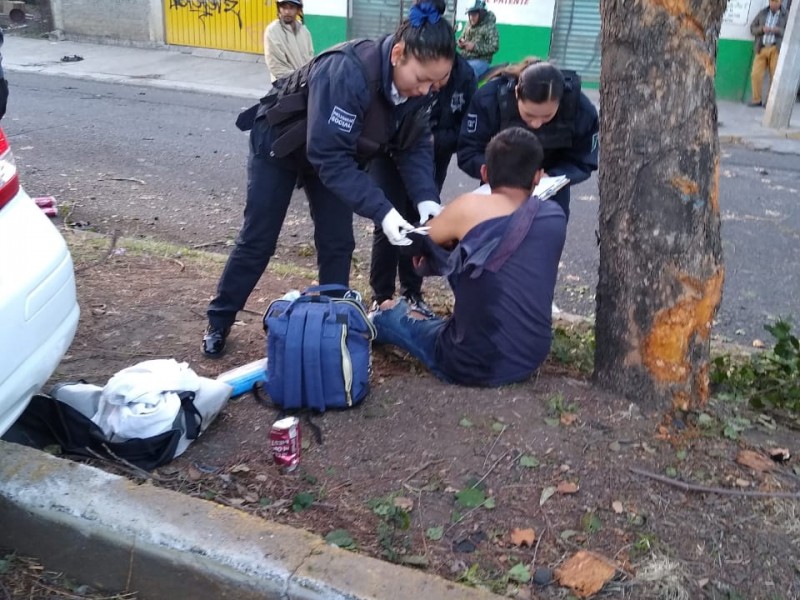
x: 88, y: 247
x: 574, y: 347
x: 394, y: 521
x: 476, y: 576
x: 769, y: 379
x: 557, y: 406
x: 664, y: 577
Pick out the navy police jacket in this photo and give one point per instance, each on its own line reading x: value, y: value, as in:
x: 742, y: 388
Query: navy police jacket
x: 570, y: 140
x: 450, y: 106
x: 338, y: 99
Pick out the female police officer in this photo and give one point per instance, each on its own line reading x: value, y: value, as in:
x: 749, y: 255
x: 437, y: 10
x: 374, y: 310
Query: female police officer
x: 323, y: 123
x: 536, y: 95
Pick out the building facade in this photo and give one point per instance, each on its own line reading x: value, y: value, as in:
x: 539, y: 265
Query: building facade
x: 566, y: 31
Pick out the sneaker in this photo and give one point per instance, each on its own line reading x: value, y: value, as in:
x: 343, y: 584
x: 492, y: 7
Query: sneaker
x: 415, y: 302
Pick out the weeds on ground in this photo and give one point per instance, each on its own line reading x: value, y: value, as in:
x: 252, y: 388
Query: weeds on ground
x: 573, y: 348
x: 769, y: 379
x: 394, y: 522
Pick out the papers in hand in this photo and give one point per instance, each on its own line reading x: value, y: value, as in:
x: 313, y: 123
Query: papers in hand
x: 547, y: 187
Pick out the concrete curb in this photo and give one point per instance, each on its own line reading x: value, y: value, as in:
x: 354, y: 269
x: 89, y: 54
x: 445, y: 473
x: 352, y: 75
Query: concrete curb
x: 114, y: 534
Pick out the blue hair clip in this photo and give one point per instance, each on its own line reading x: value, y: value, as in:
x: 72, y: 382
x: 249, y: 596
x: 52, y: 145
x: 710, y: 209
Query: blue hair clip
x: 423, y: 12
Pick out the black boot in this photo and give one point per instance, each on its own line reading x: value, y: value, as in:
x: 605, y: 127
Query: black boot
x: 214, y: 341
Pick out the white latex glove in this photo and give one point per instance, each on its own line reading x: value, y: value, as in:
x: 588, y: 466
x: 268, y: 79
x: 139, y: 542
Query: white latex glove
x: 395, y: 228
x: 428, y: 209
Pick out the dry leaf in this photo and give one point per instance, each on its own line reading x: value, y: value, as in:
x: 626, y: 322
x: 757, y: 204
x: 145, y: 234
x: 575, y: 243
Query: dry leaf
x: 567, y: 487
x: 547, y: 493
x: 617, y: 507
x: 585, y: 573
x: 523, y: 537
x: 780, y: 454
x: 742, y: 483
x: 194, y: 473
x: 404, y: 503
x: 758, y: 344
x: 240, y: 469
x: 755, y: 460
x: 568, y: 418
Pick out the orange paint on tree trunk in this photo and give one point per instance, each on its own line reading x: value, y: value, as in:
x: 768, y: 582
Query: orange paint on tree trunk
x: 685, y: 186
x: 666, y: 348
x: 681, y: 10
x: 714, y: 197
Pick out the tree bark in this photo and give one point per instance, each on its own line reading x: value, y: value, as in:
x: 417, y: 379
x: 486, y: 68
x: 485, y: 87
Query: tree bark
x: 661, y: 269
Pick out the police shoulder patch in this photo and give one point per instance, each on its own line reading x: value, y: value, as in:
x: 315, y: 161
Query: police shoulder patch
x: 341, y: 119
x: 472, y: 122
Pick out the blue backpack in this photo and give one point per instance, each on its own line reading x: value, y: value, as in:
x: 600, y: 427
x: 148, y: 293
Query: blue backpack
x: 318, y: 350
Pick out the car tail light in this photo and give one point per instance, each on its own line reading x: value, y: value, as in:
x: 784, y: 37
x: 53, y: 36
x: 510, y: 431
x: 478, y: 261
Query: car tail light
x: 9, y: 178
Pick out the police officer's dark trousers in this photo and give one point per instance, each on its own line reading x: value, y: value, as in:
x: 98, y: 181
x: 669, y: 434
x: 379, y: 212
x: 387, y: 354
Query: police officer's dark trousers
x: 270, y: 184
x: 387, y: 263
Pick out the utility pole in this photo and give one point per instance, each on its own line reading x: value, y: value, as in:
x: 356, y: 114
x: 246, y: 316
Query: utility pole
x: 783, y: 90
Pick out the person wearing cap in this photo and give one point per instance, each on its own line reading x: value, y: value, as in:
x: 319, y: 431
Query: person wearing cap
x: 480, y: 40
x: 287, y: 42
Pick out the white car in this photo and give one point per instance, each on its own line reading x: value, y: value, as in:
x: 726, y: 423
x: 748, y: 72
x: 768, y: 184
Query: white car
x: 38, y: 304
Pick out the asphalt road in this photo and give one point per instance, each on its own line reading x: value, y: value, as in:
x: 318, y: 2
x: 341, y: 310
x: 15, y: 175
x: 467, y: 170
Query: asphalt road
x: 171, y: 165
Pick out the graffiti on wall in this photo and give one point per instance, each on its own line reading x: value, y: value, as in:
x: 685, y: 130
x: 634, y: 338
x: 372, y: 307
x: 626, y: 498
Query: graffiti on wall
x: 208, y: 8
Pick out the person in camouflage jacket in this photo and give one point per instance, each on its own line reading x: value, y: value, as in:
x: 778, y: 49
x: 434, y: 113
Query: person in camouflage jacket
x: 480, y: 39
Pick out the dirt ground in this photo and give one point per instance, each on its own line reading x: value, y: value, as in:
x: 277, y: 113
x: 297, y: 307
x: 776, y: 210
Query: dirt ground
x: 393, y: 472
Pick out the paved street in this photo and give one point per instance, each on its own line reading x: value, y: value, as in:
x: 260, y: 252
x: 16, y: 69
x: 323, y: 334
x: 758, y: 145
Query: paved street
x: 170, y: 164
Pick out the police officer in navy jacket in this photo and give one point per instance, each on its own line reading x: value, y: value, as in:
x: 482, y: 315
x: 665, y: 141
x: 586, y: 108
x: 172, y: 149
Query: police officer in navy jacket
x: 323, y: 123
x: 538, y: 96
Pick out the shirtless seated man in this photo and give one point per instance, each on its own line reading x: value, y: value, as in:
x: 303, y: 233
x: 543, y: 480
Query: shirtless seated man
x: 500, y: 254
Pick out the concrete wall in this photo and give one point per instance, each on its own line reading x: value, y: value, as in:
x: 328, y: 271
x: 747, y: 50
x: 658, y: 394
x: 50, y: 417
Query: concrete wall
x: 134, y: 22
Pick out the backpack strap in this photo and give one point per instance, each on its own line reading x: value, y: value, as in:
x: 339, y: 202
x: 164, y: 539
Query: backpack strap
x: 191, y: 416
x: 312, y: 360
x: 293, y: 361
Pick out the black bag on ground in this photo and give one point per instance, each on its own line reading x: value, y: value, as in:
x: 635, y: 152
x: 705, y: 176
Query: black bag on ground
x: 48, y: 422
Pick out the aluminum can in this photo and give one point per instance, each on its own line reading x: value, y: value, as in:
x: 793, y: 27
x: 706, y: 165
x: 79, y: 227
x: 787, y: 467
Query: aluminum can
x: 284, y: 441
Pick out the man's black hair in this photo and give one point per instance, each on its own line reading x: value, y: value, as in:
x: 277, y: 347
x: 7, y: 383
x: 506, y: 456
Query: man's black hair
x: 513, y: 157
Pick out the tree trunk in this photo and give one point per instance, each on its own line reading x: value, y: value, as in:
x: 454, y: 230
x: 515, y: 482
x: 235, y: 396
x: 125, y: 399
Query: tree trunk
x: 661, y: 270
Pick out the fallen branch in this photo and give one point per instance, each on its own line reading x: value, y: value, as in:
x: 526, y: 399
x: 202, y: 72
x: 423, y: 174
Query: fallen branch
x: 703, y: 489
x: 122, y: 179
x: 497, y: 439
x: 430, y: 463
x: 208, y: 244
x: 477, y: 483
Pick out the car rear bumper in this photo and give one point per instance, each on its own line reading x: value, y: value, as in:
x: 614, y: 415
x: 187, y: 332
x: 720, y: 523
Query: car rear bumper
x: 38, y: 304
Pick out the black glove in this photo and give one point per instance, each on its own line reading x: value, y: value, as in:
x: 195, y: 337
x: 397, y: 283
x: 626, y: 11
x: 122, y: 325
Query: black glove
x: 3, y: 97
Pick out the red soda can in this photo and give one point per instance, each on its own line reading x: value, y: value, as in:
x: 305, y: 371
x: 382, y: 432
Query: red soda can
x: 284, y: 440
